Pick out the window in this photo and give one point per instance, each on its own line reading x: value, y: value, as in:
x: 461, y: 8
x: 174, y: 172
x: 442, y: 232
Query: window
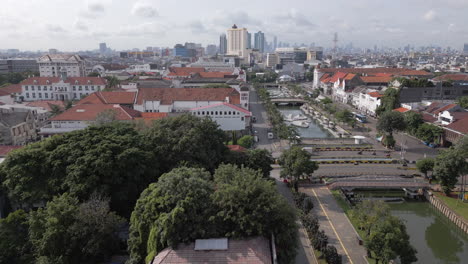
x: 45, y: 88
x: 86, y: 87
x: 216, y: 113
x: 34, y: 95
x: 230, y: 113
x: 74, y: 95
x: 46, y: 95
x: 32, y: 88
x: 92, y: 88
x: 242, y: 118
x: 40, y: 95
x: 74, y: 88
x: 27, y: 95
x: 38, y: 88
x: 203, y: 112
x: 26, y: 88
x: 80, y: 88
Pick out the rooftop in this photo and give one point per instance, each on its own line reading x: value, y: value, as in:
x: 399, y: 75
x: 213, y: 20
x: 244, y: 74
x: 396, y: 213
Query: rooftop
x: 89, y: 112
x: 168, y: 95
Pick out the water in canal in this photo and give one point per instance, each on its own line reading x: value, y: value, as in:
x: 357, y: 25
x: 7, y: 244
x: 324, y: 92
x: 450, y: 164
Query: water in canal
x: 436, y: 238
x: 313, y: 131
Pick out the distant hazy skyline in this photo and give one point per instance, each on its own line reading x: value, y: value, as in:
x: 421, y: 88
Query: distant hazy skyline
x: 124, y: 24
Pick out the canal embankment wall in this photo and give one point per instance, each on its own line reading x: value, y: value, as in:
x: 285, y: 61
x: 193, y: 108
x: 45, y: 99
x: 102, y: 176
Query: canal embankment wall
x: 445, y: 210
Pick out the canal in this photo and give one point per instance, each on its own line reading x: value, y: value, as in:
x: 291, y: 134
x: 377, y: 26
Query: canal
x: 313, y: 131
x: 434, y: 236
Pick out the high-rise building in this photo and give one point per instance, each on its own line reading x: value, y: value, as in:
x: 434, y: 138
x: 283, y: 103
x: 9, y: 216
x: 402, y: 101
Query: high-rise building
x: 249, y: 40
x: 275, y: 43
x: 237, y: 41
x: 211, y: 50
x: 465, y: 49
x: 259, y: 42
x: 223, y: 44
x: 272, y: 60
x: 102, y: 48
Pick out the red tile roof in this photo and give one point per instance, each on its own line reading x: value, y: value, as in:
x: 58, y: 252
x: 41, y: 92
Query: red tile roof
x: 184, y: 71
x: 89, y: 112
x: 428, y: 118
x: 247, y: 251
x: 447, y: 107
x: 453, y: 77
x: 375, y: 94
x: 349, y: 76
x: 401, y: 110
x: 236, y: 148
x: 127, y: 98
x: 168, y: 95
x: 376, y: 79
x: 10, y: 89
x: 71, y: 80
x: 216, y: 75
x: 374, y: 71
x: 460, y: 125
x: 47, y: 105
x: 4, y: 150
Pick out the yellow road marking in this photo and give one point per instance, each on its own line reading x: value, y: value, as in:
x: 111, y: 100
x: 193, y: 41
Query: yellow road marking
x: 333, y: 227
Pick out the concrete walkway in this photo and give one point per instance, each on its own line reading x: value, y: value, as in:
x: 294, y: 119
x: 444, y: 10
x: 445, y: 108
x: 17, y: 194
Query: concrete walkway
x: 336, y: 225
x: 305, y: 253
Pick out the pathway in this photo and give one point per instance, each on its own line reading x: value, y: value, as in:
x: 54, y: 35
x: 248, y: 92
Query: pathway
x: 305, y: 253
x: 336, y: 225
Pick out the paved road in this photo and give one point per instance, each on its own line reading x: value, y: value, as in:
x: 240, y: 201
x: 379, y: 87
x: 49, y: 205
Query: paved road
x: 305, y: 252
x: 336, y: 225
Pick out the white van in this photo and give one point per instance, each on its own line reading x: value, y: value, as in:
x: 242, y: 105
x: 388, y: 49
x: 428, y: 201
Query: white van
x: 270, y: 135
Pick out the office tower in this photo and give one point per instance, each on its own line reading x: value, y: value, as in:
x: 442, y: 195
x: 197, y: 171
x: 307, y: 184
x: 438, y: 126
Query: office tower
x: 275, y: 43
x: 249, y: 40
x: 259, y: 42
x: 223, y: 44
x: 102, y: 48
x: 465, y: 49
x: 237, y: 41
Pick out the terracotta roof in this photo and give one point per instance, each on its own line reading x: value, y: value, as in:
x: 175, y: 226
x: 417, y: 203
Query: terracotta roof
x: 376, y: 79
x: 375, y: 94
x: 337, y: 76
x: 47, y: 105
x: 432, y: 107
x: 324, y: 77
x: 374, y: 71
x: 184, y: 71
x: 4, y: 150
x: 226, y: 104
x: 217, y: 75
x: 349, y: 76
x: 401, y: 110
x: 71, y: 80
x: 168, y: 95
x: 236, y: 148
x: 10, y: 89
x: 89, y: 112
x: 428, y: 118
x: 460, y: 125
x: 109, y: 98
x: 453, y: 77
x: 247, y: 251
x: 445, y: 108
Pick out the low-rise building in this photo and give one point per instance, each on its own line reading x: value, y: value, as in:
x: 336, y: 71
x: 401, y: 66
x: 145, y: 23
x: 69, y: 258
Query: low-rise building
x: 53, y: 65
x: 17, y: 126
x: 229, y: 117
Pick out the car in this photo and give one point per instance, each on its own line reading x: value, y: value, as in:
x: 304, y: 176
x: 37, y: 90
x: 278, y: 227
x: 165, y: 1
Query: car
x: 270, y: 135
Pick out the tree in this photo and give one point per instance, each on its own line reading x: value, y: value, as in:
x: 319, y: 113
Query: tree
x: 326, y: 101
x: 413, y: 120
x: 112, y: 160
x: 251, y: 206
x: 463, y: 101
x: 429, y: 132
x: 55, y: 110
x: 174, y: 210
x: 425, y: 165
x: 15, y: 246
x: 390, y: 122
x: 197, y: 142
x: 246, y: 141
x: 448, y: 166
x: 332, y: 256
x: 320, y: 240
x: 112, y: 82
x: 344, y: 116
x: 389, y: 101
x: 68, y: 104
x: 260, y: 159
x: 106, y: 116
x: 68, y: 232
x: 93, y: 74
x: 295, y: 162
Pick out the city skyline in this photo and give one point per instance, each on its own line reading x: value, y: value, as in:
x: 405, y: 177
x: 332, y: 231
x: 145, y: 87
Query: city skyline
x: 80, y: 25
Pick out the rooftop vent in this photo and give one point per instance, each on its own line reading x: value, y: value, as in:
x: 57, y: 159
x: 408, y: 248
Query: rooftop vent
x: 80, y: 110
x: 211, y: 244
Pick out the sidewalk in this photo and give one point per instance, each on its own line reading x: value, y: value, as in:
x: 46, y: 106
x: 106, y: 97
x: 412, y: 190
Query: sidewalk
x: 305, y: 252
x: 336, y: 225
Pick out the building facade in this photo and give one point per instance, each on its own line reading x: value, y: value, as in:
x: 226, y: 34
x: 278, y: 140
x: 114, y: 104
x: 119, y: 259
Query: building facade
x: 53, y: 65
x: 229, y: 117
x: 222, y: 44
x: 237, y: 41
x: 259, y: 41
x: 18, y: 65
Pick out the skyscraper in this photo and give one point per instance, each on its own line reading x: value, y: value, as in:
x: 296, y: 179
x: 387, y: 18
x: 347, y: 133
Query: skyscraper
x: 237, y: 41
x: 259, y: 42
x: 222, y: 44
x: 275, y: 43
x: 249, y: 40
x: 465, y: 49
x: 102, y: 48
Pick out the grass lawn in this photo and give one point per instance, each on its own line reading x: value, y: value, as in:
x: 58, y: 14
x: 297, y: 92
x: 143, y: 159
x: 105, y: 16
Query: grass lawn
x: 318, y: 254
x: 455, y: 204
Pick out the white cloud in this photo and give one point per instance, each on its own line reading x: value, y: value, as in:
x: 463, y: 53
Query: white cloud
x: 95, y: 8
x: 55, y: 28
x: 81, y: 25
x: 144, y: 8
x: 140, y: 30
x: 430, y: 15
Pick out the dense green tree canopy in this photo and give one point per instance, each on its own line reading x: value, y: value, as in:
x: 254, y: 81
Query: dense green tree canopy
x: 448, y: 166
x: 389, y: 101
x: 14, y: 243
x: 413, y: 120
x: 295, y: 162
x: 391, y: 121
x: 187, y: 139
x: 68, y: 232
x: 109, y: 159
x: 425, y: 165
x: 429, y: 132
x: 246, y: 141
x: 463, y: 101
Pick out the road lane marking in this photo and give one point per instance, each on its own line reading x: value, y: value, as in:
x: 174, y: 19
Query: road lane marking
x: 333, y: 227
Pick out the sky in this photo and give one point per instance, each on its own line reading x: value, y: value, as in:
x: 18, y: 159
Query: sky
x: 71, y: 25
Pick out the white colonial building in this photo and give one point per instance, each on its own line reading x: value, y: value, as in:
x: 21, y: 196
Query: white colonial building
x: 229, y: 117
x: 60, y: 88
x: 53, y: 65
x: 368, y: 102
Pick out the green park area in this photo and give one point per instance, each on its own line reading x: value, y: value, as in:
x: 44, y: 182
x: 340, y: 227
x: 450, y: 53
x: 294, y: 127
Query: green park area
x: 457, y: 205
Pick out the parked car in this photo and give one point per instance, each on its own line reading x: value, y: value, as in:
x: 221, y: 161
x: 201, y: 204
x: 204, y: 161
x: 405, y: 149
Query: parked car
x: 270, y: 135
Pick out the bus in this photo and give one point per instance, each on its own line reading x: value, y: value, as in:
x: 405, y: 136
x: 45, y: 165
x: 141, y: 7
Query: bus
x: 360, y: 118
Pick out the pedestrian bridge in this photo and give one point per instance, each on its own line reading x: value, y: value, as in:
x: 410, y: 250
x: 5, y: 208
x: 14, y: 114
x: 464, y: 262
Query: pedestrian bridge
x: 288, y: 100
x: 350, y: 185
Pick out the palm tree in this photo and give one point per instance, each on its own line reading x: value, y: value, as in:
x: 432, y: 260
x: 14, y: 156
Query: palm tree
x: 112, y: 82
